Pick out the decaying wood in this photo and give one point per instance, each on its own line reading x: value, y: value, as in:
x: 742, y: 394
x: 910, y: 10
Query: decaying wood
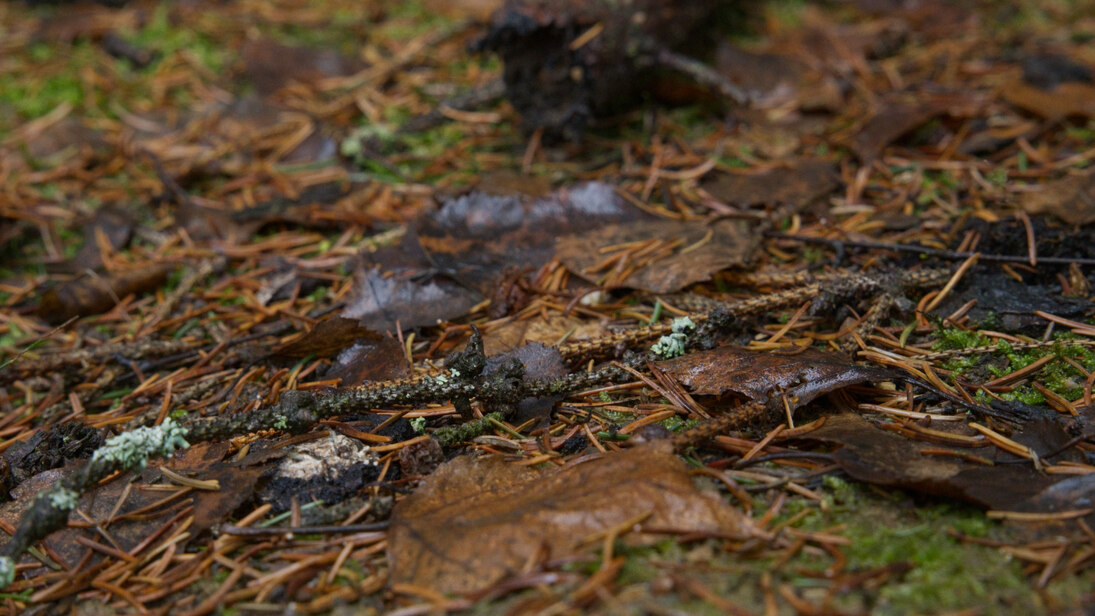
x: 569, y: 62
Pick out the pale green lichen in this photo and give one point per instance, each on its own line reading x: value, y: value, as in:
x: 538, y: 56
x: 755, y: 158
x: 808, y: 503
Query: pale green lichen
x: 133, y: 449
x: 7, y: 571
x: 419, y: 424
x: 673, y: 345
x: 64, y: 499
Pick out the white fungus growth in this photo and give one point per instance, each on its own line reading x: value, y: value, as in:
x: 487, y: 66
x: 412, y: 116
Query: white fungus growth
x: 64, y: 499
x: 7, y: 571
x: 327, y: 457
x: 133, y: 449
x: 673, y: 345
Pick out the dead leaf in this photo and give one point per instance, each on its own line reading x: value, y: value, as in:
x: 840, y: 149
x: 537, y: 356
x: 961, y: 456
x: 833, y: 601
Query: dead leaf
x: 115, y: 224
x: 452, y: 259
x: 797, y: 185
x: 476, y: 521
x: 801, y: 377
x: 325, y: 339
x: 1063, y: 100
x: 270, y: 65
x: 881, y: 457
x: 697, y: 251
x: 93, y: 294
x: 1071, y: 198
x: 888, y: 124
x: 549, y: 331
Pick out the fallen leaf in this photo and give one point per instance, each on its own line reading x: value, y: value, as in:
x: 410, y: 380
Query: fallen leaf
x: 700, y: 251
x: 549, y: 331
x: 797, y: 185
x: 452, y: 259
x: 271, y: 66
x: 881, y: 457
x: 115, y: 224
x: 1071, y: 198
x: 888, y: 124
x: 475, y: 521
x: 1063, y: 100
x: 326, y: 338
x: 800, y: 377
x: 93, y: 294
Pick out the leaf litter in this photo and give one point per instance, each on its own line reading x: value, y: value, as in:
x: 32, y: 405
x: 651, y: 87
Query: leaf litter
x: 250, y: 213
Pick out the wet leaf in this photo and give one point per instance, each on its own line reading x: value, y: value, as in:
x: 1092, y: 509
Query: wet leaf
x: 326, y: 338
x: 476, y: 521
x: 797, y: 185
x: 800, y: 376
x: 661, y: 256
x: 114, y: 224
x: 881, y: 457
x: 271, y: 66
x: 92, y: 294
x: 452, y: 259
x: 549, y: 331
x: 1061, y: 101
x: 888, y: 124
x: 1071, y: 198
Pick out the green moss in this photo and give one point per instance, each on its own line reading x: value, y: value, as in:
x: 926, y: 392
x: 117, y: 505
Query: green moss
x: 161, y: 35
x: 946, y: 574
x: 954, y: 338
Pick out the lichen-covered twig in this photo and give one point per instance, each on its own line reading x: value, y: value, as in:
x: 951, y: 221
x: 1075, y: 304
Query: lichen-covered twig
x: 499, y: 390
x: 50, y: 509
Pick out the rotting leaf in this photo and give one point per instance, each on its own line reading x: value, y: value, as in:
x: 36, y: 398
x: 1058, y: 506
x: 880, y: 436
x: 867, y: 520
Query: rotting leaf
x: 452, y: 259
x: 367, y: 360
x: 98, y: 505
x: 476, y: 521
x: 549, y: 331
x: 325, y: 339
x: 1071, y: 198
x: 270, y: 65
x: 877, y: 456
x: 398, y: 285
x: 661, y: 256
x: 474, y: 238
x: 797, y: 185
x: 1061, y: 101
x: 114, y: 224
x: 1012, y: 303
x: 92, y: 294
x: 801, y: 377
x: 888, y: 124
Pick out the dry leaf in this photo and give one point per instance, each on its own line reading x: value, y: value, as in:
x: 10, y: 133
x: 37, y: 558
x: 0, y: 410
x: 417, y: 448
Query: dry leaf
x: 660, y: 256
x: 797, y: 185
x: 800, y: 377
x: 1071, y: 198
x: 476, y: 521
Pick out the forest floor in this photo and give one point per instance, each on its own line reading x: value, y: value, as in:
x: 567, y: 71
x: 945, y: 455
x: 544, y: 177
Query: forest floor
x: 882, y: 401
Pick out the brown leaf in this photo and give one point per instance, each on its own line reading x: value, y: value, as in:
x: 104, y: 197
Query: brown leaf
x: 114, y: 224
x: 270, y: 65
x: 476, y: 521
x: 797, y: 185
x: 549, y: 331
x: 700, y: 251
x: 890, y: 123
x: 800, y: 377
x: 92, y: 294
x: 454, y: 258
x: 881, y: 457
x: 325, y: 339
x: 1071, y: 198
x: 1063, y: 100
